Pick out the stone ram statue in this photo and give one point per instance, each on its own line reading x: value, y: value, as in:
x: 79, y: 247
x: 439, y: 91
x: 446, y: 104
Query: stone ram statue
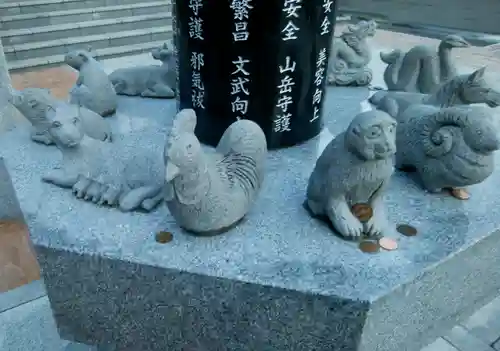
x: 450, y: 148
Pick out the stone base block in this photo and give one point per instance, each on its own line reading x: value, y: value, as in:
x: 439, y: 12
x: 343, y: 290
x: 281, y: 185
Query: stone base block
x: 279, y: 281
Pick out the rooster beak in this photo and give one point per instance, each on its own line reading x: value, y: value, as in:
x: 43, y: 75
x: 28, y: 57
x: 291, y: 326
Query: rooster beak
x: 171, y: 172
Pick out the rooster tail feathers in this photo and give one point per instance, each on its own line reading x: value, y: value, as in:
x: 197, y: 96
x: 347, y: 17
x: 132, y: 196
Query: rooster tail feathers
x: 245, y: 149
x: 246, y: 138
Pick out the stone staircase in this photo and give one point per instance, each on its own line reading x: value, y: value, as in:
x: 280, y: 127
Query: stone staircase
x: 39, y: 32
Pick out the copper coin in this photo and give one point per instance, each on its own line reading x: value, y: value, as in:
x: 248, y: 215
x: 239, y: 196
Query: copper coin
x: 164, y: 237
x: 406, y: 230
x: 369, y: 246
x: 362, y: 211
x: 460, y: 193
x: 388, y: 244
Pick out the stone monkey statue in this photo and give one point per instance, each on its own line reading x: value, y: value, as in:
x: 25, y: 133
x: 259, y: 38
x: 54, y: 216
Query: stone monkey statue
x: 354, y: 168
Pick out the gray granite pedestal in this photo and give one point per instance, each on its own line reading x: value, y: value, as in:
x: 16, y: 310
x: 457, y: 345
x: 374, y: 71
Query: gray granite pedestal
x: 280, y: 281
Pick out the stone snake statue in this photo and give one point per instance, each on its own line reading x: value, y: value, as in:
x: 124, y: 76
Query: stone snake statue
x: 421, y: 69
x: 350, y: 55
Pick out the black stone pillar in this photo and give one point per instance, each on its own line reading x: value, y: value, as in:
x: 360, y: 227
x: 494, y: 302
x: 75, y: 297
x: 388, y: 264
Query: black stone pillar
x: 263, y: 60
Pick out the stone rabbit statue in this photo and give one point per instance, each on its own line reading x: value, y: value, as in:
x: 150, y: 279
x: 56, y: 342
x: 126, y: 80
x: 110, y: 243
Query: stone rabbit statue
x: 421, y: 69
x: 93, y: 88
x: 355, y: 168
x: 148, y: 81
x: 450, y: 148
x: 208, y: 193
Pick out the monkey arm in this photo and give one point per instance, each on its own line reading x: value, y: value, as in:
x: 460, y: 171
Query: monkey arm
x: 376, y: 197
x: 376, y: 223
x: 342, y: 218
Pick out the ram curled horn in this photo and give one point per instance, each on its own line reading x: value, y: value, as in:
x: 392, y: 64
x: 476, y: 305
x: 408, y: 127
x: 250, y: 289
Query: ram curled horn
x: 437, y: 139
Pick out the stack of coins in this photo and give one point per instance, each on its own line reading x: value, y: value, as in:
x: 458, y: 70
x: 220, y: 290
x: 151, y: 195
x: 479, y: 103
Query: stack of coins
x: 364, y: 212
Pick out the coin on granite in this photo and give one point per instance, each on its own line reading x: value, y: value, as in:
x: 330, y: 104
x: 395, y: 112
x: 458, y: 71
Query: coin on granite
x: 164, y: 237
x: 406, y: 230
x: 369, y: 246
x: 363, y: 212
x: 460, y: 193
x: 388, y: 244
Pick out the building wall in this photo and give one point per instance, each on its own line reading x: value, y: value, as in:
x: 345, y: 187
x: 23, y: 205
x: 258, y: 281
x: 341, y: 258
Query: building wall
x: 469, y: 15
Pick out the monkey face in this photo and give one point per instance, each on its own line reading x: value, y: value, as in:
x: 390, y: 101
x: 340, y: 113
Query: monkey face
x: 376, y: 140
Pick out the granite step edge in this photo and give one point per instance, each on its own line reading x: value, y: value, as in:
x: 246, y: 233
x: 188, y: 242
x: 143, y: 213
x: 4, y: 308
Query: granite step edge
x: 25, y: 3
x: 99, y: 9
x: 21, y: 295
x: 84, y: 39
x: 111, y: 52
x: 10, y: 33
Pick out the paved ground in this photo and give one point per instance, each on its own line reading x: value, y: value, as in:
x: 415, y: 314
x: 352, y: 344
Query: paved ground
x: 26, y: 323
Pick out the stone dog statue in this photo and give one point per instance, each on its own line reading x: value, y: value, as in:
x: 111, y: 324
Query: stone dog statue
x: 93, y: 88
x: 463, y: 89
x: 355, y: 168
x: 209, y: 193
x: 35, y: 103
x: 120, y: 174
x: 350, y: 56
x: 148, y: 81
x: 449, y: 147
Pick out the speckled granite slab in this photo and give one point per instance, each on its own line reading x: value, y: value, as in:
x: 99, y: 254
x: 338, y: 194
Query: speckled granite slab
x: 279, y: 281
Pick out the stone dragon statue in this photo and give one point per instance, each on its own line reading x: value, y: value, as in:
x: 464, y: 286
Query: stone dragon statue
x: 465, y: 89
x: 421, y: 69
x: 450, y: 148
x: 350, y: 55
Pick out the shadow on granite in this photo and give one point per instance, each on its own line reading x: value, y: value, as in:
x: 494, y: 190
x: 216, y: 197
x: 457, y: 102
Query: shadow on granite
x: 19, y: 296
x: 31, y: 327
x: 279, y: 281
